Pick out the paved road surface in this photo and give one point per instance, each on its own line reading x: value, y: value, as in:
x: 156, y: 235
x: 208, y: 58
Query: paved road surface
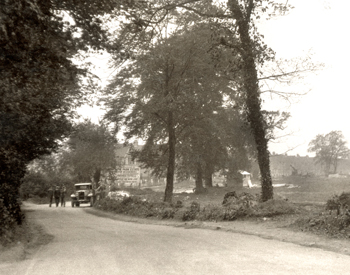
x: 87, y: 244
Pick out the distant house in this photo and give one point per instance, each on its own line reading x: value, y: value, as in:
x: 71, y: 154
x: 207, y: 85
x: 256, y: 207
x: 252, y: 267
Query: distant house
x: 282, y: 165
x: 128, y: 172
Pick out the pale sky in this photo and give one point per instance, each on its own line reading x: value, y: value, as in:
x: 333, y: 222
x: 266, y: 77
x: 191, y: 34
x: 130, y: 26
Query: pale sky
x: 322, y: 27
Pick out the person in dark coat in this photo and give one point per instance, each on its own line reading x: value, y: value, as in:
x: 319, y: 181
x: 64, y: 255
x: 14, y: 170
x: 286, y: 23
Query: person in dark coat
x: 57, y: 195
x: 51, y: 191
x: 63, y: 195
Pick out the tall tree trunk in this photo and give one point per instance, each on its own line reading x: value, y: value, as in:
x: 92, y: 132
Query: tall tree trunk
x: 97, y: 176
x: 327, y: 168
x: 171, y: 160
x: 208, y: 176
x: 253, y: 101
x: 199, y: 178
x: 335, y: 164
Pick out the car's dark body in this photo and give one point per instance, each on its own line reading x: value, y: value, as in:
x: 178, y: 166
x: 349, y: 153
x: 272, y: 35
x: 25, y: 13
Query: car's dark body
x: 83, y: 193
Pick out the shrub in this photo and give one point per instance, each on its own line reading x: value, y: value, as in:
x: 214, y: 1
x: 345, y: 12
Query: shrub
x: 211, y: 212
x: 339, y: 203
x: 10, y: 212
x: 242, y: 200
x: 334, y: 226
x: 325, y: 223
x: 135, y: 206
x: 272, y: 208
x: 243, y: 205
x: 191, y: 213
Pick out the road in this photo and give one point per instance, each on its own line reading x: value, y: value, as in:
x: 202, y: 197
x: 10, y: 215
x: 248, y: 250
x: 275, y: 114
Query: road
x: 88, y: 244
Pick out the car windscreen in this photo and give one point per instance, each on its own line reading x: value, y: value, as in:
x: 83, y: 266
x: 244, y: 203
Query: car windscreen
x: 83, y: 187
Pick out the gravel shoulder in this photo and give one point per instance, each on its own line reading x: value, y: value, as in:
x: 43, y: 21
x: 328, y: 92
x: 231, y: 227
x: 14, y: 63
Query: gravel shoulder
x: 30, y: 237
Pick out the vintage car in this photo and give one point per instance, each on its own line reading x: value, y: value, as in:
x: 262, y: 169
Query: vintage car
x: 83, y: 193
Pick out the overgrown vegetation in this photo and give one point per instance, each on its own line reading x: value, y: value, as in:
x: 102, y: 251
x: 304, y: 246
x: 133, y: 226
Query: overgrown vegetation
x: 10, y: 212
x: 40, y: 84
x: 9, y: 235
x: 309, y: 207
x: 242, y: 206
x: 333, y: 221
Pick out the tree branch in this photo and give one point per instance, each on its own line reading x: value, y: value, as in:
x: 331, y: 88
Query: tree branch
x: 249, y: 9
x: 276, y: 76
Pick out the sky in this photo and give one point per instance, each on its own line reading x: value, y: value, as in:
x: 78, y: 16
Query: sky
x: 322, y: 27
x: 316, y: 26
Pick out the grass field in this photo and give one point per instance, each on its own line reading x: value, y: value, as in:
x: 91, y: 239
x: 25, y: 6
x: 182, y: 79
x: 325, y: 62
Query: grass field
x: 311, y: 190
x: 307, y: 197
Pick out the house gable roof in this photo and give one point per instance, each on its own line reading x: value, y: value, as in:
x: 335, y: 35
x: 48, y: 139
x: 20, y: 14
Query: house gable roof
x: 123, y: 150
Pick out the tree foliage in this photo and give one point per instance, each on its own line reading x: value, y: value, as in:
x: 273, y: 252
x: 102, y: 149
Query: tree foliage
x: 41, y: 174
x: 164, y: 93
x: 236, y: 43
x: 36, y: 78
x: 329, y: 149
x: 90, y: 150
x: 40, y: 84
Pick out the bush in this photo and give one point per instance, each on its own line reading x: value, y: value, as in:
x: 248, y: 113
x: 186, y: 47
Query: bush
x: 10, y: 212
x: 211, y: 212
x: 272, y: 208
x: 135, y: 206
x: 326, y: 222
x: 191, y: 213
x: 330, y: 225
x: 243, y: 205
x: 339, y: 203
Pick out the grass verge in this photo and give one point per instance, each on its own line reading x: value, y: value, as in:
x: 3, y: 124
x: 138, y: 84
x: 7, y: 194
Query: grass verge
x: 22, y: 240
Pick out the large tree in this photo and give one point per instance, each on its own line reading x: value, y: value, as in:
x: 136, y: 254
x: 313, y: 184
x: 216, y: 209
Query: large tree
x: 233, y: 23
x: 219, y: 142
x: 42, y: 173
x: 40, y: 84
x: 247, y: 47
x: 90, y: 151
x: 165, y: 91
x: 200, y: 152
x: 329, y: 149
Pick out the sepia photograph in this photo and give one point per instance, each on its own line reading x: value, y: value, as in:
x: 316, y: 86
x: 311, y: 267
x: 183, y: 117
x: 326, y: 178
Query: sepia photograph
x: 184, y: 137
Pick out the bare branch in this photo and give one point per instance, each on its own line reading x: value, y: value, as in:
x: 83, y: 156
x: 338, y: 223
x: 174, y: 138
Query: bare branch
x: 291, y: 73
x: 284, y: 95
x: 207, y: 15
x: 224, y: 42
x: 160, y: 118
x: 290, y: 149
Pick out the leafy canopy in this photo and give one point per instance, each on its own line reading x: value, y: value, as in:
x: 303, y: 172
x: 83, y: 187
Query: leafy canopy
x: 329, y: 149
x: 90, y: 149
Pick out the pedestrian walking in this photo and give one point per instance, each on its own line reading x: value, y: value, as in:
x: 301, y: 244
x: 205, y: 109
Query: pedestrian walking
x: 57, y: 195
x: 51, y: 191
x: 63, y: 195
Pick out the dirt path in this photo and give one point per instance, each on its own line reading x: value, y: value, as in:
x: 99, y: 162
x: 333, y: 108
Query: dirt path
x: 77, y: 241
x: 267, y: 229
